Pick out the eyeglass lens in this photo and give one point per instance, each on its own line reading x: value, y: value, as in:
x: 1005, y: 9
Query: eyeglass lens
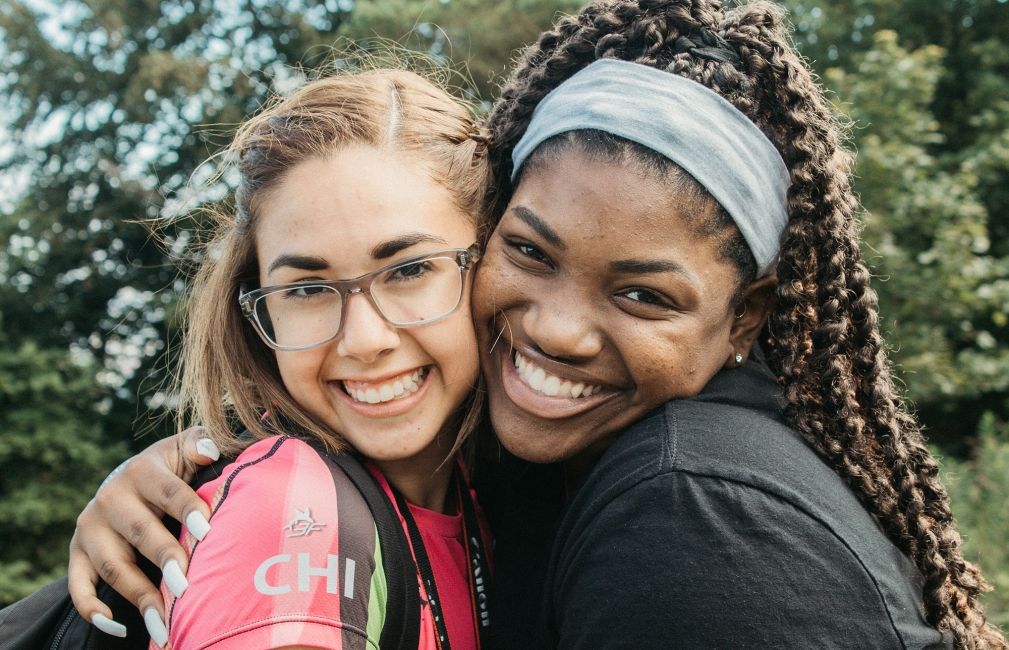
x: 409, y: 294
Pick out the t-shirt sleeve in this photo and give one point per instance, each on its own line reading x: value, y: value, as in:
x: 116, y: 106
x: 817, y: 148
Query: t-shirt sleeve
x: 736, y: 567
x: 292, y: 558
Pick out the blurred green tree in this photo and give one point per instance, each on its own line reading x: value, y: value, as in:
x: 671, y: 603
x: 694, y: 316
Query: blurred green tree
x: 933, y: 231
x: 54, y: 452
x: 481, y: 36
x: 978, y: 487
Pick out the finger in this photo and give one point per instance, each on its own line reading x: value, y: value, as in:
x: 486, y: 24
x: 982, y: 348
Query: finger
x: 152, y: 478
x: 81, y: 581
x: 198, y: 447
x: 154, y: 621
x: 165, y: 493
x: 110, y: 558
x: 182, y: 454
x: 133, y: 521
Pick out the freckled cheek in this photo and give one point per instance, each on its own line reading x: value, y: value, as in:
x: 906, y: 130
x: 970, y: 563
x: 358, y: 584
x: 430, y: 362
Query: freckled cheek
x: 496, y: 288
x: 662, y: 372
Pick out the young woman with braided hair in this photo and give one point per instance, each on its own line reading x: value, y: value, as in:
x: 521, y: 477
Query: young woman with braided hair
x: 821, y: 338
x: 672, y: 307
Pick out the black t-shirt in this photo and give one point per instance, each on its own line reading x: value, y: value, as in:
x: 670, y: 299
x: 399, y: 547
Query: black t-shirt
x: 707, y: 524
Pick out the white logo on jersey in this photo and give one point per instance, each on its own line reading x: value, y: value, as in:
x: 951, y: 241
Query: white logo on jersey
x: 302, y: 525
x: 305, y: 572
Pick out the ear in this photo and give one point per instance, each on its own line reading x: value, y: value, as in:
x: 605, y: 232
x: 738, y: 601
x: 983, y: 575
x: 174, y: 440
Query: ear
x: 750, y: 316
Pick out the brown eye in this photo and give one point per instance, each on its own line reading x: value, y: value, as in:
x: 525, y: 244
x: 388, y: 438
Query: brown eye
x: 646, y: 297
x: 527, y: 254
x: 410, y: 271
x: 531, y: 252
x: 305, y: 292
x: 647, y: 304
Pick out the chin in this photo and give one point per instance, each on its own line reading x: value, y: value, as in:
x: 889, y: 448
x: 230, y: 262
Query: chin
x: 531, y: 442
x: 534, y: 451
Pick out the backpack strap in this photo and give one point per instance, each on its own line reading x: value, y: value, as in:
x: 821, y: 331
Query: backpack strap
x: 402, y: 614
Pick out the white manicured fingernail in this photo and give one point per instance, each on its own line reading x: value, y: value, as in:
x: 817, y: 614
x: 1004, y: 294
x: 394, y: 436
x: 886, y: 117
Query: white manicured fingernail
x: 107, y: 625
x: 206, y: 448
x: 155, y: 627
x: 197, y: 524
x: 174, y: 578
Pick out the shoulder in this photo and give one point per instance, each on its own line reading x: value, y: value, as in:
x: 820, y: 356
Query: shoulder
x: 694, y: 561
x: 721, y: 513
x: 282, y: 489
x: 291, y: 540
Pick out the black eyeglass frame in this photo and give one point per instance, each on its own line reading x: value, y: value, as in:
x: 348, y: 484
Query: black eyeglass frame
x: 465, y: 258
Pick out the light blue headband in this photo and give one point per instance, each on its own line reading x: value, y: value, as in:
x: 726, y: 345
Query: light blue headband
x: 686, y: 122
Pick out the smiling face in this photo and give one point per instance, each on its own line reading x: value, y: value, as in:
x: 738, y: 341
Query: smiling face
x: 387, y: 391
x: 598, y: 299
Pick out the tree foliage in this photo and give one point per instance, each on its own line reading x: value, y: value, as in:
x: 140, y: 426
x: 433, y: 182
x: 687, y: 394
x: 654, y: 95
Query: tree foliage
x: 54, y: 451
x: 105, y: 102
x: 929, y: 234
x: 978, y: 487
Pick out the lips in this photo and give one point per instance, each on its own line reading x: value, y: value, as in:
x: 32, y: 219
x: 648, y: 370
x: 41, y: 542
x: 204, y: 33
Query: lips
x: 529, y: 388
x: 404, y: 391
x: 551, y: 385
x: 388, y: 389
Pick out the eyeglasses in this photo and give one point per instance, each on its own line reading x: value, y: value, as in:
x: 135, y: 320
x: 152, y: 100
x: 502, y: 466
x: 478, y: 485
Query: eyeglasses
x: 413, y: 292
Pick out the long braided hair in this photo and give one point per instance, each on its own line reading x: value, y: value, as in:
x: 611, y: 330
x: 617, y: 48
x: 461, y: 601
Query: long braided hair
x: 822, y: 338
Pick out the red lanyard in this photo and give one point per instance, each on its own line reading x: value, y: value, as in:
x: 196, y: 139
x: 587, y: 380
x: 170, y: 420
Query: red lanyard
x: 476, y: 565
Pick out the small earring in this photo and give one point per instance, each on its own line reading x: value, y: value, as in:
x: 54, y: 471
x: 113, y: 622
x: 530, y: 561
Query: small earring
x: 739, y: 358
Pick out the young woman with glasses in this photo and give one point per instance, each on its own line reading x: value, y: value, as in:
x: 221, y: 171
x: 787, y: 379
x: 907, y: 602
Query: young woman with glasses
x: 332, y: 314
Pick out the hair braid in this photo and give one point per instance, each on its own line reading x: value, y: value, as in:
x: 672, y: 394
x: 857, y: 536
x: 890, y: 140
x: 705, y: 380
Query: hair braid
x: 823, y: 338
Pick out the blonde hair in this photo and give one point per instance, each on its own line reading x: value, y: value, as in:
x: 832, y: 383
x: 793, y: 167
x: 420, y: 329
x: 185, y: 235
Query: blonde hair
x: 229, y: 377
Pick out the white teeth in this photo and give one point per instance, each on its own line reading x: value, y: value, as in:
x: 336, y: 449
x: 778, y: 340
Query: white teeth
x: 389, y: 391
x: 550, y: 385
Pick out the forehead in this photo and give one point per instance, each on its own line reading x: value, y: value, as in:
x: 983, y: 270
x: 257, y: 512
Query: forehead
x: 351, y: 200
x: 617, y: 208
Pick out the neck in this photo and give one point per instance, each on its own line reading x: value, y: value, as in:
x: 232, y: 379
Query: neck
x: 578, y: 467
x: 424, y: 479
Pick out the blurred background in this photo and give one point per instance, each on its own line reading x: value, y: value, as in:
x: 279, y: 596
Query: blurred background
x: 109, y: 107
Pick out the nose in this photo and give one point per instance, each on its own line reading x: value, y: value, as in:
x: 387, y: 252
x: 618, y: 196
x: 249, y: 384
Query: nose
x: 563, y: 330
x: 366, y: 335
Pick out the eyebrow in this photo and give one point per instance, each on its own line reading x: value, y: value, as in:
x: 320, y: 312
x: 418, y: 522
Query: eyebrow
x: 381, y: 251
x: 303, y: 262
x: 540, y: 226
x: 390, y: 247
x: 650, y: 266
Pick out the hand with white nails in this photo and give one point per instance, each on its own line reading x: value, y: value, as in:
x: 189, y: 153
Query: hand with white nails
x: 124, y: 518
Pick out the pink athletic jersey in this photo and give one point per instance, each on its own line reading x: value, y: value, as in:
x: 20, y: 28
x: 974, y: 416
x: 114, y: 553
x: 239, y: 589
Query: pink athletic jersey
x: 293, y: 558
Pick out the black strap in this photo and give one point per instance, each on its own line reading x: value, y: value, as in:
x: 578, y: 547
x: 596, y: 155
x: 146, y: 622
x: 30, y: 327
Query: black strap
x: 477, y: 566
x: 402, y: 614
